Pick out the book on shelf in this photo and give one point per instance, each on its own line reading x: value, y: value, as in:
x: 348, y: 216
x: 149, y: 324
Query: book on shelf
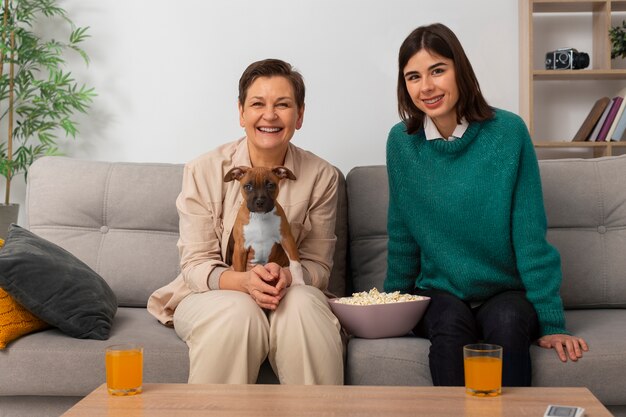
x: 596, y: 112
x: 620, y: 112
x: 616, y: 102
x: 596, y: 130
x: 620, y: 129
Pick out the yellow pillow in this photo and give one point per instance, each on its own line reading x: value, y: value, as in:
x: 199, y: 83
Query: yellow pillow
x: 15, y: 320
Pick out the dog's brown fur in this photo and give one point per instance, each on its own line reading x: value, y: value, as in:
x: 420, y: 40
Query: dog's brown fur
x: 259, y: 187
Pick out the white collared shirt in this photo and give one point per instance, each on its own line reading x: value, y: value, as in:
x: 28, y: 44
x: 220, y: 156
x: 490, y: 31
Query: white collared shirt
x: 432, y: 133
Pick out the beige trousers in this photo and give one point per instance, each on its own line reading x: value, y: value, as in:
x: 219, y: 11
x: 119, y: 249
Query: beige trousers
x: 229, y: 336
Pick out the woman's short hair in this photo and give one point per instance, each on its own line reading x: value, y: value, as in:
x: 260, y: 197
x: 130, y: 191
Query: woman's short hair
x: 439, y: 39
x: 272, y: 68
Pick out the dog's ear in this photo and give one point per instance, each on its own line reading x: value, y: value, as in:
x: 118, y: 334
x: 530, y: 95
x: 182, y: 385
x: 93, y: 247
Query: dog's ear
x: 235, y: 173
x: 282, y: 173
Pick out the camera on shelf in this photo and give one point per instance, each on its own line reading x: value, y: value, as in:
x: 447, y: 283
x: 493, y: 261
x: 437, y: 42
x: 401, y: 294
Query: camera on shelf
x: 566, y: 58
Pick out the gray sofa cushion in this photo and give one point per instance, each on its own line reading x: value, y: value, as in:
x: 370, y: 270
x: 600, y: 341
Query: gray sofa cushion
x: 391, y: 361
x: 404, y: 361
x: 118, y: 218
x: 585, y: 202
x: 602, y: 369
x: 50, y: 363
x: 368, y: 192
x: 31, y: 405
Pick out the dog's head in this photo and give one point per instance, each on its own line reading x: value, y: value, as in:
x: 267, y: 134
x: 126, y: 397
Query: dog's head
x: 259, y: 186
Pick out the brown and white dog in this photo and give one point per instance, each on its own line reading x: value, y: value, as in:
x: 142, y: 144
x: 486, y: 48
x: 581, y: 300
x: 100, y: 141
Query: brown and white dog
x: 261, y: 232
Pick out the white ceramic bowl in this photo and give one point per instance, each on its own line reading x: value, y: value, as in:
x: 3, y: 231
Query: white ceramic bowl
x: 376, y: 321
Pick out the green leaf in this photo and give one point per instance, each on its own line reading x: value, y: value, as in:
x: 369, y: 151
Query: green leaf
x: 69, y: 127
x: 79, y: 35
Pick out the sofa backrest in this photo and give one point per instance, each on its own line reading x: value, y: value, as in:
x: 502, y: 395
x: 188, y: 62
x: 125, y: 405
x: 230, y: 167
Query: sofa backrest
x: 121, y: 220
x: 585, y: 202
x: 368, y: 195
x: 118, y: 218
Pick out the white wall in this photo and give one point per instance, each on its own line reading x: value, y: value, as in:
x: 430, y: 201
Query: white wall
x: 166, y: 72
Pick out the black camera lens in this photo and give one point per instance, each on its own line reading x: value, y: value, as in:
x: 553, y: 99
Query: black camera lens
x: 581, y: 60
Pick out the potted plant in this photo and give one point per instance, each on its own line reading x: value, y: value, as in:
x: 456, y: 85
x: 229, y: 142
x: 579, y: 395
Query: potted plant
x: 617, y: 34
x: 38, y: 98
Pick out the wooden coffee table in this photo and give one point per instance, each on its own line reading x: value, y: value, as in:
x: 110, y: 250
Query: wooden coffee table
x: 169, y: 400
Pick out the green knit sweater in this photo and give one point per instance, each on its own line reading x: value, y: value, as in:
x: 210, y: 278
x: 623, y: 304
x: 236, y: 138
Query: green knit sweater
x: 467, y: 217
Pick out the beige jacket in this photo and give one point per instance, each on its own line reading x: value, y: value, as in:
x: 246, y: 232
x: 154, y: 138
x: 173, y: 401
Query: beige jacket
x: 207, y: 207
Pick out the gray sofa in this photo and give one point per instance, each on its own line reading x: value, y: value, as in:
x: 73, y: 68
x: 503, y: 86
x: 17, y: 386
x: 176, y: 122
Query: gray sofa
x: 121, y: 220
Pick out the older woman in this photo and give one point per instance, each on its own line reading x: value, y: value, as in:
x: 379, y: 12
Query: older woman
x: 232, y: 321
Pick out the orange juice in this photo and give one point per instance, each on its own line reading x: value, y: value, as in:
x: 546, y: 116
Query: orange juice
x: 124, y: 368
x: 483, y: 375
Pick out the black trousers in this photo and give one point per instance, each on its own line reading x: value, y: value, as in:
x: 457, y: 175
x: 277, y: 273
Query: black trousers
x: 507, y: 319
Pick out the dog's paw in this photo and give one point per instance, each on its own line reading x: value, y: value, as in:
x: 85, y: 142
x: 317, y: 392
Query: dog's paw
x: 297, y: 276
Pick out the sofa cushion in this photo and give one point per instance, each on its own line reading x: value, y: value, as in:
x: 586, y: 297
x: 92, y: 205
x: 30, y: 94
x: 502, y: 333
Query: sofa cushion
x: 368, y: 192
x: 50, y: 363
x: 118, y: 218
x: 390, y: 361
x: 15, y: 320
x: 33, y: 405
x: 55, y: 286
x: 404, y: 360
x: 601, y: 369
x: 585, y: 202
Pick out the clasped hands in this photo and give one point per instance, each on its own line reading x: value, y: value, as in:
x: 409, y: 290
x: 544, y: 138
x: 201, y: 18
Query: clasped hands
x: 267, y: 284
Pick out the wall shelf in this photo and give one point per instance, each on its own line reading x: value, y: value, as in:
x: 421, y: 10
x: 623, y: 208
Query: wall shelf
x: 598, y: 148
x: 584, y: 74
x: 532, y: 78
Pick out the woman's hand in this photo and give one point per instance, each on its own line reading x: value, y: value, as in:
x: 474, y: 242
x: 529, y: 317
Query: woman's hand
x: 266, y: 284
x: 284, y: 276
x: 574, y: 346
x: 261, y: 284
x: 272, y: 281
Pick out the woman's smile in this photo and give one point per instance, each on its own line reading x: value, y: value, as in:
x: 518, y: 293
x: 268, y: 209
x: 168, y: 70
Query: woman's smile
x: 433, y: 102
x: 270, y: 129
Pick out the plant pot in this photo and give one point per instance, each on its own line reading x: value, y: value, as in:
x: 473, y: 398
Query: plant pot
x: 8, y: 215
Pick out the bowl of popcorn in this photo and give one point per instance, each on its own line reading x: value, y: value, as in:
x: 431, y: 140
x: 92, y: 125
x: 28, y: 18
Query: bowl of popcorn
x: 374, y: 314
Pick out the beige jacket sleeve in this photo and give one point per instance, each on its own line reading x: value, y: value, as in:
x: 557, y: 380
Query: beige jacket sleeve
x: 316, y: 244
x: 199, y: 210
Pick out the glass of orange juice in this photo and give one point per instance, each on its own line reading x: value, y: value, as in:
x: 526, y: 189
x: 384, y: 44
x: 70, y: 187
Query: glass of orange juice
x: 124, y: 367
x: 483, y: 369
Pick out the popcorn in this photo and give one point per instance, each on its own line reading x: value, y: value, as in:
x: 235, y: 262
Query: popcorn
x: 374, y: 297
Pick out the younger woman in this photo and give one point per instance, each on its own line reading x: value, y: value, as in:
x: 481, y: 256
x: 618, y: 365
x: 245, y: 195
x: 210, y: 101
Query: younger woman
x: 466, y: 223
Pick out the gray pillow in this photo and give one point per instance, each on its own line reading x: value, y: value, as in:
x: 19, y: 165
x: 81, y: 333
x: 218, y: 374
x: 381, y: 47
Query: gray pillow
x: 56, y: 286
